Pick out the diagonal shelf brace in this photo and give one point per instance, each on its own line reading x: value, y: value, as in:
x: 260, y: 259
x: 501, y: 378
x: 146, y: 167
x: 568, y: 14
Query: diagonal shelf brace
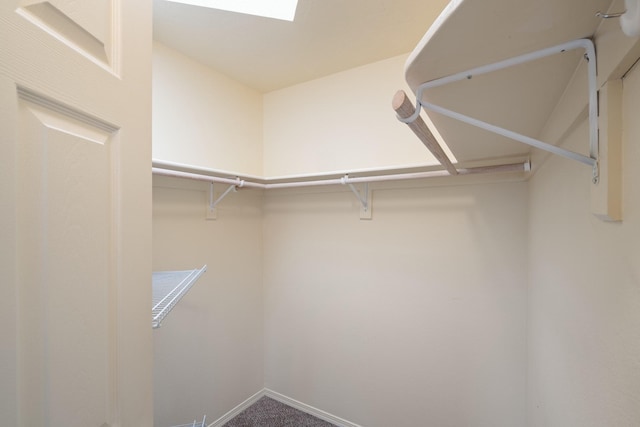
x: 590, y: 56
x: 213, y: 202
x: 365, y: 200
x: 511, y: 134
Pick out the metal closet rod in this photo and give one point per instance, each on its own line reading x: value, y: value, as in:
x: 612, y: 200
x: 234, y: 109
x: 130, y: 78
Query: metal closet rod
x: 346, y: 179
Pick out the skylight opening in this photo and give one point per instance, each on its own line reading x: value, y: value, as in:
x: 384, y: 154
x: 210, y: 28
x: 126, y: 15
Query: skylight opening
x: 277, y: 9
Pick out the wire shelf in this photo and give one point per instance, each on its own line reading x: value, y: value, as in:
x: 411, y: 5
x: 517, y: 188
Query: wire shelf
x: 168, y: 288
x: 195, y: 423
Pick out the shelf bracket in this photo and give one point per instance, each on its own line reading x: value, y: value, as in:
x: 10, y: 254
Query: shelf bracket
x: 211, y: 207
x: 365, y: 200
x: 590, y: 56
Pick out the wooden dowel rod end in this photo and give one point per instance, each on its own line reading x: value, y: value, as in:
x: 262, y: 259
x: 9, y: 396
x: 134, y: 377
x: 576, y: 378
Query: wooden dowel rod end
x: 404, y: 108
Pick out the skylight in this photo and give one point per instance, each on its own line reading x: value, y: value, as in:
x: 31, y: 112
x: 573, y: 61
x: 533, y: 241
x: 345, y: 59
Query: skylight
x: 277, y: 9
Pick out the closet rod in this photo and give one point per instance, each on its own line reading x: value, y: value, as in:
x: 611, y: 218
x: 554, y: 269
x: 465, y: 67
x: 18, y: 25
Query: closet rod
x: 405, y: 109
x: 513, y: 167
x: 516, y: 167
x: 208, y: 178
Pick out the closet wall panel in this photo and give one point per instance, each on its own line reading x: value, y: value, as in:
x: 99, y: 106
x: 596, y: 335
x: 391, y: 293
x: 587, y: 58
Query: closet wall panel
x: 208, y: 352
x: 202, y: 117
x: 342, y: 122
x: 584, y: 287
x: 417, y: 317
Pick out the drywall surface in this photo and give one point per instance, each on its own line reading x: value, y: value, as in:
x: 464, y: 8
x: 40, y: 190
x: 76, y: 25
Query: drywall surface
x: 415, y: 318
x: 340, y: 123
x: 584, y: 291
x: 203, y: 118
x: 343, y: 122
x: 208, y: 351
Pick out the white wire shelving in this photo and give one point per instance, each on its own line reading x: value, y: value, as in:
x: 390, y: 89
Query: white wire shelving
x: 168, y: 289
x: 195, y: 423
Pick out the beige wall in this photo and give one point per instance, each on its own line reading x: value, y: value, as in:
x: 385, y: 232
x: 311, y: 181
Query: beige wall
x: 343, y: 122
x: 584, y: 291
x: 203, y: 118
x: 420, y: 311
x: 416, y: 318
x: 420, y: 316
x: 208, y: 354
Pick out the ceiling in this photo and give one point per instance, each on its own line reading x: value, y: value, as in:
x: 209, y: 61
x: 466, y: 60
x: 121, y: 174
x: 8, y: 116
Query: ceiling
x: 326, y: 37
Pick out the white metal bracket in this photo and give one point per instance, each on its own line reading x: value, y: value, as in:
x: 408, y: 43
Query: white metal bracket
x: 212, y: 213
x: 365, y: 200
x: 590, y: 56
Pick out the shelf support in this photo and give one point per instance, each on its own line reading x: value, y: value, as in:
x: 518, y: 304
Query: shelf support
x: 365, y: 201
x: 590, y: 56
x: 212, y: 213
x: 213, y: 204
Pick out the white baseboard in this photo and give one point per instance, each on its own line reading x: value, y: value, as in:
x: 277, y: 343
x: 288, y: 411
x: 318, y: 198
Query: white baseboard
x: 235, y: 411
x: 287, y: 401
x: 309, y: 409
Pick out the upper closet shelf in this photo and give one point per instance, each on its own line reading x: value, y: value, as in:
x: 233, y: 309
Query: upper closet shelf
x: 168, y: 289
x: 499, y: 78
x: 491, y: 72
x: 363, y: 195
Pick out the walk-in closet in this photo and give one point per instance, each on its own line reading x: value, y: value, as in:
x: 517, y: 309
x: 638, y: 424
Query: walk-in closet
x: 467, y: 268
x: 377, y: 213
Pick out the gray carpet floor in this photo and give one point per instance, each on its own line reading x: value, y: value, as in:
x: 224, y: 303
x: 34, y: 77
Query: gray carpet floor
x: 267, y: 412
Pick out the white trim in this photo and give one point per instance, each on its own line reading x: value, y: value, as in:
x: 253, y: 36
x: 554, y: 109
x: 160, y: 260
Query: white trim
x: 65, y: 110
x: 318, y: 413
x: 235, y: 411
x: 309, y: 409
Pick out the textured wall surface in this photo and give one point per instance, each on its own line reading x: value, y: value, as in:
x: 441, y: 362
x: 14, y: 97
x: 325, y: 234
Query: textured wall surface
x: 417, y: 317
x: 584, y: 291
x: 208, y: 352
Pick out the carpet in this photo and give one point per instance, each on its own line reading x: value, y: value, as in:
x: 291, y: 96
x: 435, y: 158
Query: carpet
x: 267, y: 412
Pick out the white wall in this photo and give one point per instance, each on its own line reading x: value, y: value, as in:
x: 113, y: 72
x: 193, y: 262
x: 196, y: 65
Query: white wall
x: 203, y: 118
x: 208, y: 353
x: 584, y: 291
x: 342, y: 122
x: 416, y: 318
